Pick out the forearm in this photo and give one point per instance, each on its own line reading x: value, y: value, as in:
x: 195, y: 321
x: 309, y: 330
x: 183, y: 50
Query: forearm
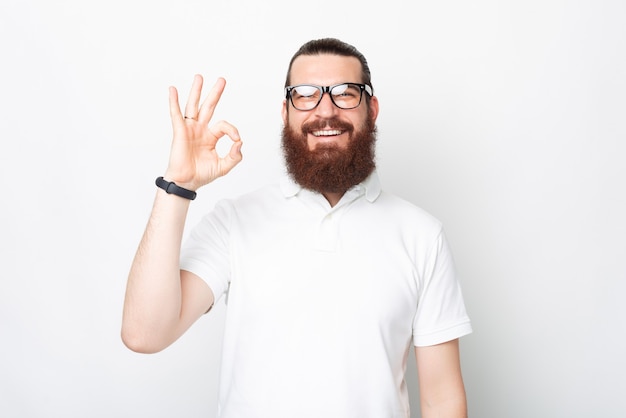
x: 442, y: 391
x: 152, y: 306
x: 452, y: 407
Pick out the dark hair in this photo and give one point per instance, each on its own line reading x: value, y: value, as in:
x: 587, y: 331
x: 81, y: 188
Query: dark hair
x: 332, y: 46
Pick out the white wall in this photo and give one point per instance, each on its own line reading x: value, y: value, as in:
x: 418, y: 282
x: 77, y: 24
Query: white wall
x: 505, y: 119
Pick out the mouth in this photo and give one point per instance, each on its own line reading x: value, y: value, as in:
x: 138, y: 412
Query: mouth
x: 329, y: 132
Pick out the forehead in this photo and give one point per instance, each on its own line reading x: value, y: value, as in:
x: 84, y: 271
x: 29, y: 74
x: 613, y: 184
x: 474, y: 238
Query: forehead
x: 325, y: 70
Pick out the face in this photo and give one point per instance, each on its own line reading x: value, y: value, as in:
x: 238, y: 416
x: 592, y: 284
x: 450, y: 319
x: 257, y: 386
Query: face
x: 327, y: 70
x: 329, y: 149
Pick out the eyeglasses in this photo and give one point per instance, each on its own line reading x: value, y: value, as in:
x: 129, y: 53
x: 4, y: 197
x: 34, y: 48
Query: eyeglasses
x: 344, y: 95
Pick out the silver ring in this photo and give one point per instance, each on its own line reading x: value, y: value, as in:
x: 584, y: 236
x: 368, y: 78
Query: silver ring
x: 189, y: 117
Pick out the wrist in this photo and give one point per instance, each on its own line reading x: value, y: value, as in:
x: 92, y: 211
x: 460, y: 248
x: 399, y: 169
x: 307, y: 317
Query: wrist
x: 171, y: 187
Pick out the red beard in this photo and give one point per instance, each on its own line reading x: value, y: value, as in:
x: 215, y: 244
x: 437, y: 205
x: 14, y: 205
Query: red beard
x: 328, y: 168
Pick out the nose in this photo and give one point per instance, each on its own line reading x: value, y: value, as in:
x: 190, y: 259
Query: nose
x: 326, y: 107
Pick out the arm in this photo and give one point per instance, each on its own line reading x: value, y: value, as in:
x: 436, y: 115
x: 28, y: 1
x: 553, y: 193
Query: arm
x: 442, y: 393
x: 162, y: 301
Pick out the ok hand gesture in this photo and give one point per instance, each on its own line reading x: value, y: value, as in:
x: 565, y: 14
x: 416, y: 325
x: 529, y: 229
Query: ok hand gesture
x: 194, y: 161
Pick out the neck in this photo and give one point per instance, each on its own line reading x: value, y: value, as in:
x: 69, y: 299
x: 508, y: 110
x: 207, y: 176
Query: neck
x: 333, y: 198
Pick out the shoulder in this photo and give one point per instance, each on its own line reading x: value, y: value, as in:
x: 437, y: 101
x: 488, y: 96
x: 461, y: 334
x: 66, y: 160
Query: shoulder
x: 397, y: 209
x: 265, y: 198
x: 264, y: 195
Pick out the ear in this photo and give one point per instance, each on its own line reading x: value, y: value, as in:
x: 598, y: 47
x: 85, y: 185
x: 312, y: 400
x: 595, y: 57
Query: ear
x: 284, y: 112
x: 373, y: 108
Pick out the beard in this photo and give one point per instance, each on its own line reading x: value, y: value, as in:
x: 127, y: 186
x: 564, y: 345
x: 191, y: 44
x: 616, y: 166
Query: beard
x: 329, y: 168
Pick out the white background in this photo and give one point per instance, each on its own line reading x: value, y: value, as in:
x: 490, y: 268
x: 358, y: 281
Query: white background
x: 504, y: 119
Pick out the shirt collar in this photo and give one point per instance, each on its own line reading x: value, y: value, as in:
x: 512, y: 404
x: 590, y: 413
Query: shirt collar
x: 371, y: 185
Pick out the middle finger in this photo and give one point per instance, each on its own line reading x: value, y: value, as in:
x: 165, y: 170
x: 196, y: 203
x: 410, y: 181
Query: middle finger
x: 191, y: 108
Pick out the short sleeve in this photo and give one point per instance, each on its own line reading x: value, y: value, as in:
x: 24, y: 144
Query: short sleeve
x: 206, y: 252
x: 441, y: 315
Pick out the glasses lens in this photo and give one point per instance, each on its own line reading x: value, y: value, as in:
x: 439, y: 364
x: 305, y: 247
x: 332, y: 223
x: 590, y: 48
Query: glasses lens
x: 305, y: 97
x: 346, y: 96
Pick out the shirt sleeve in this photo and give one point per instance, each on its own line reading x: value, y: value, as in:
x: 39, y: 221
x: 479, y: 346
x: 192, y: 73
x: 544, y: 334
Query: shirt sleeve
x: 441, y: 315
x: 206, y: 252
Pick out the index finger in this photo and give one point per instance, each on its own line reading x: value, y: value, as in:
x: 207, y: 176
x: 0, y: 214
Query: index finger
x: 210, y: 103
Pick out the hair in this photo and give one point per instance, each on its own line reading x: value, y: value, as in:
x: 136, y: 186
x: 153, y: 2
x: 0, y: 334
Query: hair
x: 332, y: 46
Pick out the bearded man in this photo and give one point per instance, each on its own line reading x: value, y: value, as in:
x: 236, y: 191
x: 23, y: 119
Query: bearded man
x: 329, y: 281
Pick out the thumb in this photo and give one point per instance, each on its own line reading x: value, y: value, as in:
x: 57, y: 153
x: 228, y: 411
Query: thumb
x: 233, y: 157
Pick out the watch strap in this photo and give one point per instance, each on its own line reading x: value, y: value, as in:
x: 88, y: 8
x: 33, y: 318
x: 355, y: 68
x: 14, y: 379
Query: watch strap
x: 172, y: 188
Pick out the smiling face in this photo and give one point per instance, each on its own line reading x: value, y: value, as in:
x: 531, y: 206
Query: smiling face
x: 327, y: 124
x: 328, y: 149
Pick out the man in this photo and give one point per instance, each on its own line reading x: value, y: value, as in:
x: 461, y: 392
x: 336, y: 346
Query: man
x: 329, y: 280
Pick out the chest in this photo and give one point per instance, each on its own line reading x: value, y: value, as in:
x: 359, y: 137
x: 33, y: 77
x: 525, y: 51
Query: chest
x: 333, y: 271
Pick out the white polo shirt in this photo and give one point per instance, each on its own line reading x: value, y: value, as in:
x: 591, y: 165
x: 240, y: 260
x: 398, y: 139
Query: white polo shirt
x: 324, y: 303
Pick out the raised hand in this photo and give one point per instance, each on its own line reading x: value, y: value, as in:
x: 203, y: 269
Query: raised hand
x: 194, y: 161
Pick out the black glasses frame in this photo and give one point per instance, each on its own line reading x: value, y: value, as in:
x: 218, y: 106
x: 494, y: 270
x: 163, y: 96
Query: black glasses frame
x: 326, y: 89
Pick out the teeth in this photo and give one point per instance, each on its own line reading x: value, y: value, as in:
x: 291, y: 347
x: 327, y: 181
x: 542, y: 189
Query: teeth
x: 327, y: 133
